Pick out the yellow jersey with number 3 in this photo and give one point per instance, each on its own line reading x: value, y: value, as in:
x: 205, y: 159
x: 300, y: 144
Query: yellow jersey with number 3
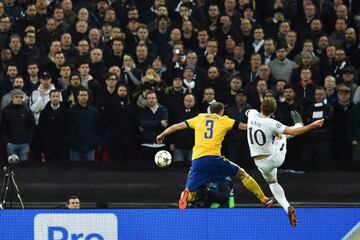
x: 210, y: 130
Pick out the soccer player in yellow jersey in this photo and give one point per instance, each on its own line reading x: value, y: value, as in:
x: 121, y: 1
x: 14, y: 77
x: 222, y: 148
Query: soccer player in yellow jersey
x: 207, y: 162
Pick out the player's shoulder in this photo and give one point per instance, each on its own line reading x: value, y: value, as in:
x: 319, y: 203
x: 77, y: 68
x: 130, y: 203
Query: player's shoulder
x: 251, y: 112
x: 274, y: 123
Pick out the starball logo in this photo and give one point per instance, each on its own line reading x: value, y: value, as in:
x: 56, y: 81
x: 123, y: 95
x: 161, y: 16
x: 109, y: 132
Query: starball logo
x: 76, y: 226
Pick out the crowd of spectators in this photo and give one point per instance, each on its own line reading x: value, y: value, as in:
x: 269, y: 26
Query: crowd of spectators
x: 86, y: 79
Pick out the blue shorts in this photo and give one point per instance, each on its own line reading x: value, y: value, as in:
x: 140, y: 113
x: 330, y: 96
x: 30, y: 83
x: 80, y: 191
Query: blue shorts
x: 208, y: 169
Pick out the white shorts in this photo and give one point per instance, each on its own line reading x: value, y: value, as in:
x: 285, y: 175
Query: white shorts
x: 268, y: 166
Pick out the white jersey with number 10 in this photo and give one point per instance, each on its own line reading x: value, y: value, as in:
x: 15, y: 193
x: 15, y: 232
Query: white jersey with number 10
x: 260, y: 133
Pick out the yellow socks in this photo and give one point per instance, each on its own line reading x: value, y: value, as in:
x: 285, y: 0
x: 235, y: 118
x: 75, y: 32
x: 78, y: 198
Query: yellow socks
x: 252, y: 186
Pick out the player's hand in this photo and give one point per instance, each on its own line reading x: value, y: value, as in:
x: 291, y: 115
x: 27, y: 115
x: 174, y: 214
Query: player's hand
x: 318, y: 123
x: 160, y: 138
x: 278, y: 135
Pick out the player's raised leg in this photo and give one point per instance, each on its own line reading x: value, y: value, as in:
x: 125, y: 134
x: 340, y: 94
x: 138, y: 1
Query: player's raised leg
x: 268, y: 168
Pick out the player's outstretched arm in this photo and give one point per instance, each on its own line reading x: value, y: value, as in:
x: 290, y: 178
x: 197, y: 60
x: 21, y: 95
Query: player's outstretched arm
x: 304, y: 129
x: 170, y: 130
x: 242, y: 126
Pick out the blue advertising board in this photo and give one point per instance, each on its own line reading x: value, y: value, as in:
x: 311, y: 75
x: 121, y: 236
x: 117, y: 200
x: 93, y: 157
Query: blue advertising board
x: 137, y: 224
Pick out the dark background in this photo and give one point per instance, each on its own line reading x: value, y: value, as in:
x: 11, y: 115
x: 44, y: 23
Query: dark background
x: 48, y: 185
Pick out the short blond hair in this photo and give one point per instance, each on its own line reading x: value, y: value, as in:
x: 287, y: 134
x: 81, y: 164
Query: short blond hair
x: 268, y: 106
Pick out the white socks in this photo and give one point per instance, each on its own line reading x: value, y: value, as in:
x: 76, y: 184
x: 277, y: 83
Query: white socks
x: 279, y: 195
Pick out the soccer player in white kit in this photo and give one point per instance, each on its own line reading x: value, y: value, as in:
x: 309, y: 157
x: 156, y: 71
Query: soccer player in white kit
x: 268, y: 147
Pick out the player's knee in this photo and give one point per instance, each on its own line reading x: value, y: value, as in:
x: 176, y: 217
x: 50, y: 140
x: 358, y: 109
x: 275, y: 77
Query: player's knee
x: 241, y: 173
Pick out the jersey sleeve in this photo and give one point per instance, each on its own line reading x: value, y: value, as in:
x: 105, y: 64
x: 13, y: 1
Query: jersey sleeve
x: 191, y: 123
x: 229, y: 122
x: 277, y: 127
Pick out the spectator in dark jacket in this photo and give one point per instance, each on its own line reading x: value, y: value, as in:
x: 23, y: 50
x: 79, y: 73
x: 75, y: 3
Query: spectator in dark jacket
x: 153, y: 120
x: 306, y: 88
x: 317, y: 147
x: 343, y: 135
x: 183, y: 141
x: 237, y: 147
x: 122, y: 127
x: 284, y: 109
x: 53, y: 126
x: 84, y: 128
x: 18, y: 126
x: 104, y: 103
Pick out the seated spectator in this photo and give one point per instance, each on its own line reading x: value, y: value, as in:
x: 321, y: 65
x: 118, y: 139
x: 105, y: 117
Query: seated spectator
x: 63, y: 81
x: 192, y: 86
x: 216, y: 81
x: 142, y: 34
x: 142, y: 58
x: 130, y: 75
x: 256, y: 98
x: 161, y: 70
x: 269, y: 51
x: 229, y: 69
x: 32, y: 81
x: 339, y: 63
x: 337, y: 37
x: 73, y: 202
x: 87, y: 80
x: 306, y: 88
x: 330, y: 87
x: 348, y: 78
x: 207, y: 100
x: 281, y: 67
x: 307, y: 51
x: 279, y: 90
x: 69, y: 95
x: 151, y: 81
x: 351, y: 45
x: 228, y: 97
x: 97, y: 66
x: 82, y: 53
x: 306, y: 62
x: 116, y: 55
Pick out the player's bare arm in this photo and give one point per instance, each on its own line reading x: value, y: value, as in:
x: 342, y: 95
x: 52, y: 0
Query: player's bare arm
x: 302, y: 130
x: 170, y: 130
x: 242, y: 126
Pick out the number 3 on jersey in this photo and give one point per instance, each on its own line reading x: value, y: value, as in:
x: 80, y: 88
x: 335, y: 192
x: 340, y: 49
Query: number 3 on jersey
x: 258, y: 135
x: 209, y: 129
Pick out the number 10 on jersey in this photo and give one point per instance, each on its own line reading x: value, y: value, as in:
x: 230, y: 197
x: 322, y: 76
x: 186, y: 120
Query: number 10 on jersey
x: 257, y: 135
